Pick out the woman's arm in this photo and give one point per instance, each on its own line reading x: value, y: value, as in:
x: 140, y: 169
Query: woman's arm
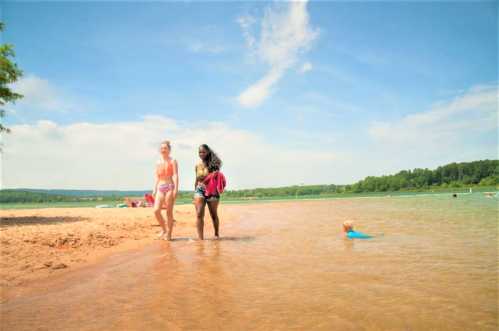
x: 175, y: 178
x: 195, y: 177
x: 155, y: 188
x: 156, y: 180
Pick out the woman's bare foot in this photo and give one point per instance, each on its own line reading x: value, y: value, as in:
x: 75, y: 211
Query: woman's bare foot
x: 161, y: 235
x: 168, y: 234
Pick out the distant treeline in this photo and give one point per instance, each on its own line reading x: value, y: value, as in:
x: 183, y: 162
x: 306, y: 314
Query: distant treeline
x: 454, y: 175
x: 9, y: 196
x: 43, y: 196
x: 284, y: 191
x: 482, y: 173
x: 85, y: 193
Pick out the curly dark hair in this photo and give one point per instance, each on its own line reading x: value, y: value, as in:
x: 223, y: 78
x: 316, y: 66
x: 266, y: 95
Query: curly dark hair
x: 212, y: 161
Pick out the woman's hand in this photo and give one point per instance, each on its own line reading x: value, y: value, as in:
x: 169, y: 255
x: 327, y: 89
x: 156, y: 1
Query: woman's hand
x: 175, y: 193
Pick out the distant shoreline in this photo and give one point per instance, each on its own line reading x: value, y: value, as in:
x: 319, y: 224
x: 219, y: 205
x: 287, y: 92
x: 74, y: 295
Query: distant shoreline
x: 478, y: 176
x: 251, y: 200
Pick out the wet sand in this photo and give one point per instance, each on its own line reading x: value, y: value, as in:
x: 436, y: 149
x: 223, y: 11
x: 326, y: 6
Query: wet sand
x: 40, y: 243
x: 282, y: 266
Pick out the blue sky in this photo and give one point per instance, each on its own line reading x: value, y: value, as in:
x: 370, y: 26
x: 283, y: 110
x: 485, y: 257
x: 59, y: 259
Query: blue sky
x: 317, y: 92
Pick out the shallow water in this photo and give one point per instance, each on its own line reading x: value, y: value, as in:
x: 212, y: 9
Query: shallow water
x: 282, y: 266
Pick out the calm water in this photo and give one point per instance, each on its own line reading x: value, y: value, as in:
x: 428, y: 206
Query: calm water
x: 283, y: 266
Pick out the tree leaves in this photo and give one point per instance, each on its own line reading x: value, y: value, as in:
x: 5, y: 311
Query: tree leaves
x: 9, y: 73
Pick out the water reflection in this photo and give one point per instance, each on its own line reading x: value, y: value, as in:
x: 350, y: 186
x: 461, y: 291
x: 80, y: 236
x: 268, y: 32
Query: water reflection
x: 228, y: 238
x: 284, y: 273
x: 348, y: 244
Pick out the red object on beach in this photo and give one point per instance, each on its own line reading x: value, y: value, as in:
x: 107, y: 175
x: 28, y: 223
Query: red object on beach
x: 149, y: 198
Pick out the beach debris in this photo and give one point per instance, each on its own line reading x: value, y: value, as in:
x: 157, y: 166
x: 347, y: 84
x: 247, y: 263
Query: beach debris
x: 66, y: 242
x: 101, y: 239
x: 59, y: 266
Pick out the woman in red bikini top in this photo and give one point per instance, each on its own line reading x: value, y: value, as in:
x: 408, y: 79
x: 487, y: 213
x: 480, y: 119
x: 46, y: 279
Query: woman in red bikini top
x: 165, y: 189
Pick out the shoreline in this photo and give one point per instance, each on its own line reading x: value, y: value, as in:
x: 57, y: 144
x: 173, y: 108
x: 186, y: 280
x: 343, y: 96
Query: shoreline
x: 395, y: 194
x: 38, y: 244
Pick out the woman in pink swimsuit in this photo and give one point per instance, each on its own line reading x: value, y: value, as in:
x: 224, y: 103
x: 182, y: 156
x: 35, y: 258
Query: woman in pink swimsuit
x: 165, y: 189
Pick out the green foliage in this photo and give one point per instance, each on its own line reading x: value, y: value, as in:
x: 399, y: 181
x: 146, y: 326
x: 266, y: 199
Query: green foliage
x: 490, y: 181
x: 289, y: 191
x: 11, y: 196
x: 456, y: 176
x: 9, y: 73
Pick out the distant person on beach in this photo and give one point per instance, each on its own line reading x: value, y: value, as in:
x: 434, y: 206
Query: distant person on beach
x: 350, y: 233
x: 209, y: 184
x: 165, y: 189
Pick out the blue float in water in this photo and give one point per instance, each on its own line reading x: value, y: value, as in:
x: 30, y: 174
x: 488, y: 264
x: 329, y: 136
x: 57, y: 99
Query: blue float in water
x: 357, y: 235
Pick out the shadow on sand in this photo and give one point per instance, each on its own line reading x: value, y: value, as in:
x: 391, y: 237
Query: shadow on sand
x: 31, y: 220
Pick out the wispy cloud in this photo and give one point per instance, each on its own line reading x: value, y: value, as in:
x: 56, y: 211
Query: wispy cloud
x: 255, y: 94
x: 40, y: 94
x: 246, y: 22
x: 475, y: 110
x: 462, y: 129
x: 285, y: 35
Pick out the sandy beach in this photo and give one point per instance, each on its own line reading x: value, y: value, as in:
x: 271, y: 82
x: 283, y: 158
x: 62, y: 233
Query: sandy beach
x: 37, y: 243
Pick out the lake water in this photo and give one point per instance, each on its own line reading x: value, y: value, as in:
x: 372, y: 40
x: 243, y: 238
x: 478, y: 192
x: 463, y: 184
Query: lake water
x: 284, y: 266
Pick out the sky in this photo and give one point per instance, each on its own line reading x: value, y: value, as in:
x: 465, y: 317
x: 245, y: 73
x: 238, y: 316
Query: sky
x: 287, y: 93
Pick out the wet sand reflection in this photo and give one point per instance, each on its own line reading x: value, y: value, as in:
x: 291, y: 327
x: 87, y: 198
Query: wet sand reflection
x: 288, y: 267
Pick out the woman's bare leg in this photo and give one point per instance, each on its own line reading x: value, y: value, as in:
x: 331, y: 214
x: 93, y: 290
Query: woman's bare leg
x: 200, y: 204
x: 169, y: 213
x: 213, y: 208
x: 158, y: 202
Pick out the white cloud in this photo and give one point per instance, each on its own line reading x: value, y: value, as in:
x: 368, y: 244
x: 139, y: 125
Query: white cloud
x: 462, y: 129
x: 307, y: 66
x: 285, y: 35
x: 254, y: 95
x: 246, y: 22
x: 40, y: 94
x: 122, y: 155
x: 471, y: 112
